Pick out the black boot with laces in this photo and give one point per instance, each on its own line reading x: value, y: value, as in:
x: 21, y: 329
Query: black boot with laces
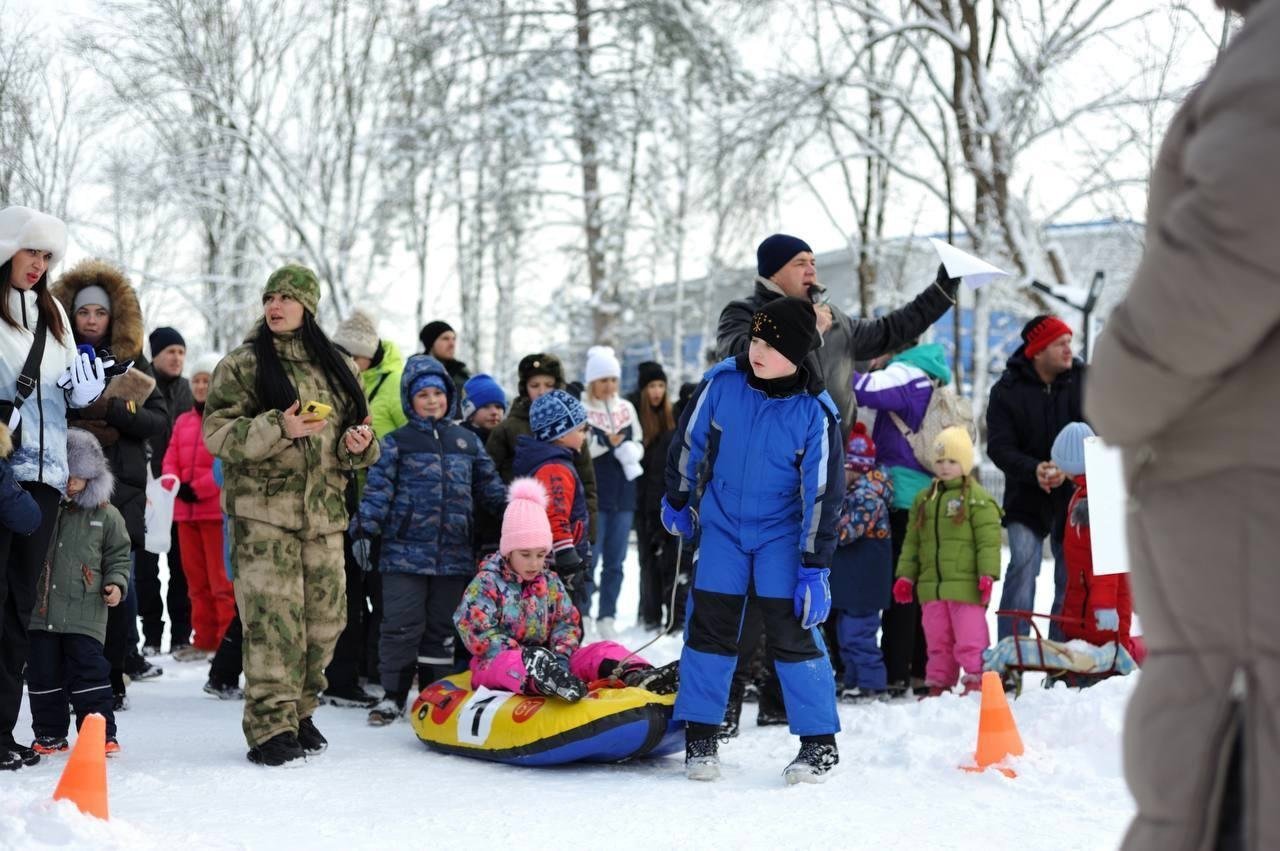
x: 310, y: 739
x: 817, y: 757
x: 282, y: 749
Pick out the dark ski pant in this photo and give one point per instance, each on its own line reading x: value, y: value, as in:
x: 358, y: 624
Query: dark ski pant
x: 417, y: 628
x: 901, y: 626
x: 349, y: 654
x: 228, y: 661
x: 24, y: 555
x: 863, y: 663
x: 151, y: 606
x: 66, y: 666
x: 726, y: 576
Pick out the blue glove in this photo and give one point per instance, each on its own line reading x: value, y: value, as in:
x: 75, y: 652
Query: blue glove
x: 813, y: 596
x: 683, y: 522
x: 1108, y: 619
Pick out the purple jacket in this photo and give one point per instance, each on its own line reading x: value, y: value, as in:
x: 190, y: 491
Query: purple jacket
x: 901, y: 389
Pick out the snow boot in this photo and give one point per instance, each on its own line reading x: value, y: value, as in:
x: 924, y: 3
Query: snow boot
x: 120, y: 702
x: 49, y: 745
x: 664, y: 680
x: 14, y: 756
x: 546, y: 676
x: 606, y: 630
x: 144, y: 671
x: 282, y: 749
x: 310, y: 739
x: 223, y: 691
x: 701, y: 758
x: 811, y: 765
x: 863, y: 695
x: 387, y: 711
x: 112, y: 746
x: 349, y: 697
x: 149, y: 650
x: 733, y: 711
x: 191, y: 653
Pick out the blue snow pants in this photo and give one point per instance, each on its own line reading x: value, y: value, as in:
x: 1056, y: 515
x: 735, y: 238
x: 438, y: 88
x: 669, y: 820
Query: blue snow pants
x: 728, y: 569
x: 863, y: 662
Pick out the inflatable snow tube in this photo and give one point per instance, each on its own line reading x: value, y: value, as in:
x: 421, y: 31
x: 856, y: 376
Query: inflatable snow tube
x: 608, y: 725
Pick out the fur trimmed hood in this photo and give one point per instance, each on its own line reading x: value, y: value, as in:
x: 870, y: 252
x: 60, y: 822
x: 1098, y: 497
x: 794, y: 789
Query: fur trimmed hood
x: 6, y: 442
x: 127, y: 328
x: 85, y: 460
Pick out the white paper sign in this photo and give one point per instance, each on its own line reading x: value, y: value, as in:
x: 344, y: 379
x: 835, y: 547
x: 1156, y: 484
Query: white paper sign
x: 1108, y: 499
x: 960, y: 264
x: 475, y: 718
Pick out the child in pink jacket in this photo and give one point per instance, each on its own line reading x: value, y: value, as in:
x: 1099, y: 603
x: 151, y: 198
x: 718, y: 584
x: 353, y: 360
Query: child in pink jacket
x: 523, y: 631
x: 199, y: 519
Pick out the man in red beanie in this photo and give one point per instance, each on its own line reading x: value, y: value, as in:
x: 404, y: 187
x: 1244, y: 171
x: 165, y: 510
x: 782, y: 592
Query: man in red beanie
x: 1039, y: 393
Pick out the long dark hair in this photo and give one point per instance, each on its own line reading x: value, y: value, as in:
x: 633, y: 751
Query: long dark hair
x: 44, y: 303
x: 276, y: 391
x: 655, y: 421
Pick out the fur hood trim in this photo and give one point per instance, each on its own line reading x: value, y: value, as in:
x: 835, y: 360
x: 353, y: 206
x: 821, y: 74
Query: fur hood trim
x: 85, y: 460
x: 6, y: 442
x: 126, y: 316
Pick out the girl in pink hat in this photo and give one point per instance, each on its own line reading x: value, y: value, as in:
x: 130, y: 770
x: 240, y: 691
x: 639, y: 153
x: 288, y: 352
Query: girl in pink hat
x: 524, y: 633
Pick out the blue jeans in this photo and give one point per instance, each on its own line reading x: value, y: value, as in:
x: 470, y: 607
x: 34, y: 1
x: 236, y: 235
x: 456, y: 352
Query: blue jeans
x: 1026, y: 552
x: 613, y: 531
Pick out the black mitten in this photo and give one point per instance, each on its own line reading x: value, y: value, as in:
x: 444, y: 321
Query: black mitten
x: 949, y: 285
x: 547, y: 676
x: 570, y: 568
x: 186, y: 493
x: 1080, y: 514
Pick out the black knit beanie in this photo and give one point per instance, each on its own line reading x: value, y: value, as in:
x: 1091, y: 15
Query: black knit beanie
x: 790, y: 325
x: 776, y: 251
x: 431, y: 332
x: 650, y: 371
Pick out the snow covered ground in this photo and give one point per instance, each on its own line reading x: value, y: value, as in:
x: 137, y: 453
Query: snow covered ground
x: 183, y: 782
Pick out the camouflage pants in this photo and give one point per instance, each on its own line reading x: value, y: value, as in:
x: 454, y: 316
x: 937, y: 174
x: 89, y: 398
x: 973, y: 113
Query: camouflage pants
x: 292, y: 597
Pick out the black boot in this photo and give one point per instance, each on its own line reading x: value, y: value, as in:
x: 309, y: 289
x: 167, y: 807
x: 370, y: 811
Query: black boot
x: 733, y: 711
x: 309, y: 737
x: 282, y: 749
x: 664, y: 680
x: 701, y: 757
x: 818, y: 755
x: 548, y: 677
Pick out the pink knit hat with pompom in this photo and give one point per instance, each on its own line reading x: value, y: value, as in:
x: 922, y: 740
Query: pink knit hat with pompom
x: 525, y: 525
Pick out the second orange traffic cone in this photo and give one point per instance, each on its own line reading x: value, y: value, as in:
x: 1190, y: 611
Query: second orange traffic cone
x: 84, y: 780
x: 997, y: 733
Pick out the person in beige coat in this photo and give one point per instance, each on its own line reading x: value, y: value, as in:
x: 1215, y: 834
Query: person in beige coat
x: 1186, y: 381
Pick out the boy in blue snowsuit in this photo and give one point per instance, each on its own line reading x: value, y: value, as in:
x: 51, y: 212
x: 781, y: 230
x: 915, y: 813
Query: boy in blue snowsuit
x: 759, y: 450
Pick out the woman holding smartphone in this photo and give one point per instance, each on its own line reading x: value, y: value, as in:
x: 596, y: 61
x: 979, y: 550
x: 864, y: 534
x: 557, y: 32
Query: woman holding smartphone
x: 285, y: 475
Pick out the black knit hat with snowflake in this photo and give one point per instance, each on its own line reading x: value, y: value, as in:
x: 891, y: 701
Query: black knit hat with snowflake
x: 789, y: 325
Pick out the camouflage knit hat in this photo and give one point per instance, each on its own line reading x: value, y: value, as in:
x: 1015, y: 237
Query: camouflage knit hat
x: 298, y: 283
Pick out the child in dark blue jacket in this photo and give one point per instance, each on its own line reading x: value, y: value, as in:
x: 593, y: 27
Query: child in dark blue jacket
x: 759, y: 450
x: 862, y: 569
x: 420, y: 498
x: 19, y: 514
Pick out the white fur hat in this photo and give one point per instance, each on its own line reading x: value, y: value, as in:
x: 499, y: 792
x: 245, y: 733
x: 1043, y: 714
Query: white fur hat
x: 23, y: 227
x: 602, y: 363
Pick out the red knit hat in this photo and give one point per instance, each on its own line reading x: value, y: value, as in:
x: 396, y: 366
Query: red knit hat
x: 1041, y: 331
x: 860, y: 451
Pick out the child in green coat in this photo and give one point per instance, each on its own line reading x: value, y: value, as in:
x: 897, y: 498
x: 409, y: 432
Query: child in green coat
x: 86, y: 573
x: 951, y: 558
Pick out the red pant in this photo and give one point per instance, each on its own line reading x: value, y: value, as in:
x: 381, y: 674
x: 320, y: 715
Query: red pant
x: 956, y: 634
x: 213, y: 599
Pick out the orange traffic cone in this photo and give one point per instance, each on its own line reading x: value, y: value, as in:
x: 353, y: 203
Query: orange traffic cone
x: 84, y: 780
x: 997, y: 733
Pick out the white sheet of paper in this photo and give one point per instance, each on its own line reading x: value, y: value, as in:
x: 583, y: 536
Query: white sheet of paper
x: 960, y: 264
x: 1108, y: 512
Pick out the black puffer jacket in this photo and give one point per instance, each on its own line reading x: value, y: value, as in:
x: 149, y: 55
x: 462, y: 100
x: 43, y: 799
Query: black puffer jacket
x: 1024, y: 415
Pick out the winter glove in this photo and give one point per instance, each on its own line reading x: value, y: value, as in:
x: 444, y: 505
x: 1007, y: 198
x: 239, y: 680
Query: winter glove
x: 87, y: 381
x: 903, y: 591
x: 946, y: 283
x: 1108, y: 619
x: 186, y: 493
x: 570, y: 569
x: 1080, y: 514
x: 546, y: 676
x: 682, y: 522
x: 812, y: 596
x: 984, y: 588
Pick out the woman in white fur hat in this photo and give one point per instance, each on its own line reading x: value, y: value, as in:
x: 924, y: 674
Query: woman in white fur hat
x: 617, y: 447
x: 32, y: 243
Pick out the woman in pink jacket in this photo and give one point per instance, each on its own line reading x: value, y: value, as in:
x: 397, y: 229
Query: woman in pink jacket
x: 199, y: 518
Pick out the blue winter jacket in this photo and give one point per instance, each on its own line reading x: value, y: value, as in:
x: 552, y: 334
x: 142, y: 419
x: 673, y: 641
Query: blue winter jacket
x: 778, y: 458
x: 420, y: 495
x: 18, y: 511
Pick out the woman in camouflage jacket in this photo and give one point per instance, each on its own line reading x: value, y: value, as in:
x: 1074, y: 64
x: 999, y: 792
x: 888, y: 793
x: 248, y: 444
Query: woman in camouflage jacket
x: 285, y: 473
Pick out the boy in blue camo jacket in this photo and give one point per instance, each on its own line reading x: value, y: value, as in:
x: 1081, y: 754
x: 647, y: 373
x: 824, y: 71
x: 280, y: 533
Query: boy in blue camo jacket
x: 759, y: 451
